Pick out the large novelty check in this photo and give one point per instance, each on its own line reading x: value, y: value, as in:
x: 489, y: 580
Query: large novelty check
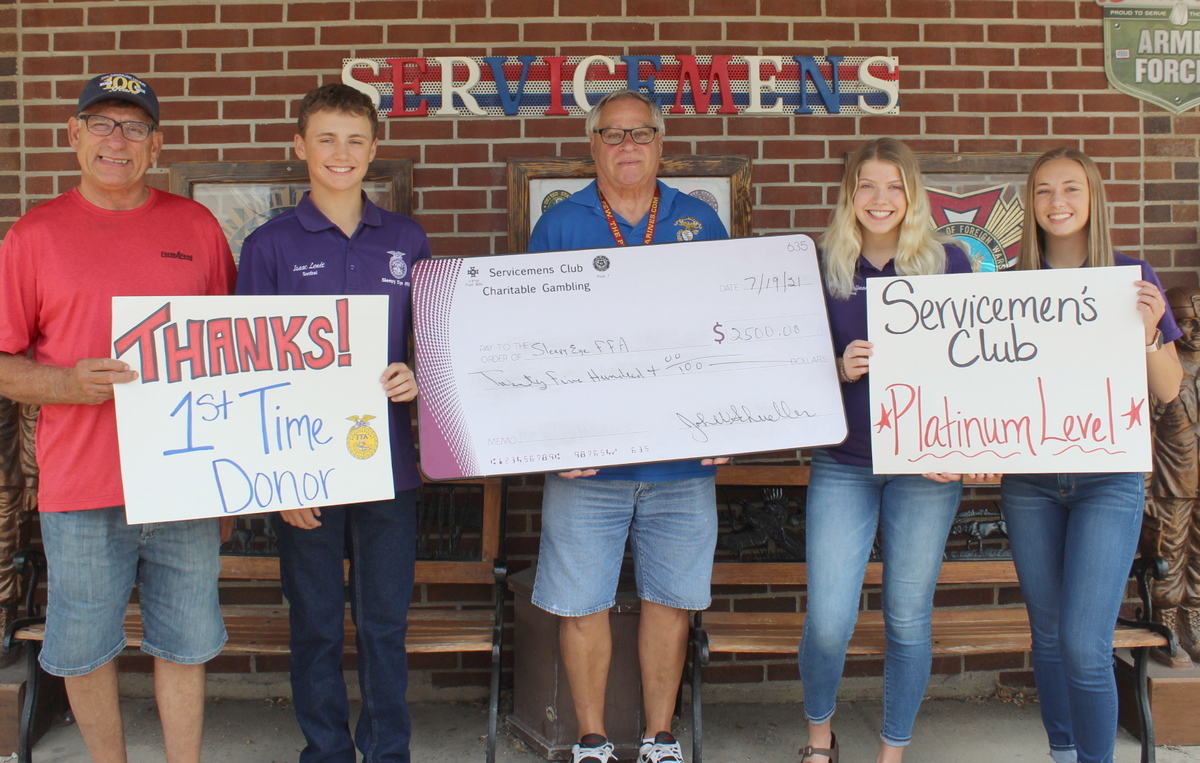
x: 564, y: 360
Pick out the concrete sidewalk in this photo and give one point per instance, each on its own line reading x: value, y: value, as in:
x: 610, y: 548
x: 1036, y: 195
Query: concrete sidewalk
x: 948, y: 731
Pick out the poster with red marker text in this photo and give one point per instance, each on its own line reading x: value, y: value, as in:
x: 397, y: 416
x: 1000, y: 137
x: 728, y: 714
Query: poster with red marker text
x: 251, y: 404
x: 1027, y: 371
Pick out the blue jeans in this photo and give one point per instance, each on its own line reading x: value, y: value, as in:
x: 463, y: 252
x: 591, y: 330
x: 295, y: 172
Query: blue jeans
x: 1073, y: 540
x: 96, y: 559
x: 379, y: 538
x: 845, y: 506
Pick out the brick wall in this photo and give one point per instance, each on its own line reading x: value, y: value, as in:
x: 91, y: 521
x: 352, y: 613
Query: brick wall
x: 976, y: 76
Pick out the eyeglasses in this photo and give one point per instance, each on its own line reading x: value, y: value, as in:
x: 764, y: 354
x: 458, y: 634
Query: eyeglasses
x: 615, y: 136
x: 102, y: 126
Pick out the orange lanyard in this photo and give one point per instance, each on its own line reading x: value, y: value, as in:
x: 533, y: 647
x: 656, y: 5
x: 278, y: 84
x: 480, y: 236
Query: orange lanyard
x: 612, y: 220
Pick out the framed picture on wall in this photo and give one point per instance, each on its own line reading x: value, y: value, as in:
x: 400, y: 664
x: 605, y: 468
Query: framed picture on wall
x: 535, y: 185
x: 980, y: 200
x: 244, y: 195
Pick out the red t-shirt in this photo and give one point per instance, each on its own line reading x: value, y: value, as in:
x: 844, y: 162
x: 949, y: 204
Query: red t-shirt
x: 60, y: 266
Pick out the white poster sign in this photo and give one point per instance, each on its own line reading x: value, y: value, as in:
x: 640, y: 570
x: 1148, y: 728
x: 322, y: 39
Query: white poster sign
x: 251, y: 404
x: 564, y: 360
x: 1026, y: 372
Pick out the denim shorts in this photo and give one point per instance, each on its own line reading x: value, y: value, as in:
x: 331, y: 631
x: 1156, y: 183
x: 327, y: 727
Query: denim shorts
x: 95, y: 559
x: 672, y: 528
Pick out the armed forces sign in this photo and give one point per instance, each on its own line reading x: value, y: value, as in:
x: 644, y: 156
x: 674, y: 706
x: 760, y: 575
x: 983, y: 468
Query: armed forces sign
x: 1152, y: 50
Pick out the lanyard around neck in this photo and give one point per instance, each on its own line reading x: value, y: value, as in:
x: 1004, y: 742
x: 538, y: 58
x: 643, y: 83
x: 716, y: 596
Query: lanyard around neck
x: 612, y: 219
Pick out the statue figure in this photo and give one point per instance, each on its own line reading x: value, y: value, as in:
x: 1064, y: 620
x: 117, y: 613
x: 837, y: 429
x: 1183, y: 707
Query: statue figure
x: 1172, y: 524
x: 16, y: 497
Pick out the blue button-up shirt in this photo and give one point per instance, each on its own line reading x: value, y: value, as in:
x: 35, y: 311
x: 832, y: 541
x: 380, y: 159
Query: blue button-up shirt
x: 302, y: 252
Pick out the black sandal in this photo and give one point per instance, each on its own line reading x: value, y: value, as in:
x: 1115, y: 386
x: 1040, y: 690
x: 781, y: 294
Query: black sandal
x: 831, y: 752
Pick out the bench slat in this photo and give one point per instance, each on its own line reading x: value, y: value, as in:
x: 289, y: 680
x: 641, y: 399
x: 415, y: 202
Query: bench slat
x: 796, y: 573
x: 955, y: 631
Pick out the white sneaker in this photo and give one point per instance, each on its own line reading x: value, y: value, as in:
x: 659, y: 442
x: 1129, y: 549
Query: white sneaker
x: 664, y: 749
x: 593, y: 748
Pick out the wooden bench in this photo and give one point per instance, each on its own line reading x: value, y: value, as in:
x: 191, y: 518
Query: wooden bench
x: 258, y: 629
x: 956, y: 630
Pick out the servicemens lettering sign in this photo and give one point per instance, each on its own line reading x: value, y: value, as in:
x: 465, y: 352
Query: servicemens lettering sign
x: 498, y: 86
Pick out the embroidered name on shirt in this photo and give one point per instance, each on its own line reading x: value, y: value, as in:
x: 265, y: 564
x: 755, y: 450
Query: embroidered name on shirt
x: 176, y: 256
x: 311, y: 269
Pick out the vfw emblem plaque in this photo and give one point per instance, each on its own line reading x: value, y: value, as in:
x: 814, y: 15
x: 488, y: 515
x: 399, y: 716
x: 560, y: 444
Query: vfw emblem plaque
x: 1152, y: 50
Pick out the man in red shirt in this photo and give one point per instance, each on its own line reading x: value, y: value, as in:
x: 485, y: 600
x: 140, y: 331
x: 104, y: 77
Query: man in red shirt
x: 60, y: 266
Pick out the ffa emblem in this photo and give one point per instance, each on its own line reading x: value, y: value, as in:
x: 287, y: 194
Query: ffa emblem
x: 601, y: 263
x: 688, y: 228
x: 553, y: 198
x: 987, y: 221
x: 362, y: 441
x: 397, y: 265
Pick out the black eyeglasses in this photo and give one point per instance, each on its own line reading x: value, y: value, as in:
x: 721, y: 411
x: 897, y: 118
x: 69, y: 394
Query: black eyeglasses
x: 615, y: 136
x: 102, y: 126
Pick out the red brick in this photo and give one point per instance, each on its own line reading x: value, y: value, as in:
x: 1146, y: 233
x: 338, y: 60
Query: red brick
x: 263, y: 13
x: 84, y: 41
x: 792, y: 8
x: 193, y: 110
x: 258, y: 60
x: 1078, y: 80
x: 1171, y: 235
x: 457, y: 154
x: 927, y: 102
x: 326, y: 60
x: 257, y: 154
x: 1016, y: 33
x: 1081, y: 126
x: 44, y: 66
x: 352, y: 35
x: 485, y: 33
x: 1022, y: 125
x: 745, y: 8
x: 953, y: 79
x: 590, y: 8
x: 929, y: 55
x: 974, y: 56
x: 1065, y: 102
x: 1110, y: 102
x: 1088, y: 33
x: 1040, y: 9
x: 185, y: 62
x: 185, y: 14
x: 389, y: 9
x: 115, y: 62
x: 146, y: 39
x: 1046, y: 56
x: 417, y: 34
x: 51, y: 17
x: 283, y: 37
x: 630, y: 31
x: 954, y: 125
x: 453, y: 199
x: 984, y: 9
x: 953, y: 32
x: 455, y: 9
x: 888, y: 32
x: 756, y: 30
x: 212, y: 86
x: 256, y: 109
x: 1018, y: 80
x: 890, y: 125
x: 276, y: 133
x: 319, y: 11
x: 792, y: 195
x: 217, y: 38
x: 687, y: 30
x: 118, y: 15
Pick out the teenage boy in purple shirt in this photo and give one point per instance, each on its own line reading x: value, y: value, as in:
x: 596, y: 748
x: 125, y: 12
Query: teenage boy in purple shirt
x: 337, y: 242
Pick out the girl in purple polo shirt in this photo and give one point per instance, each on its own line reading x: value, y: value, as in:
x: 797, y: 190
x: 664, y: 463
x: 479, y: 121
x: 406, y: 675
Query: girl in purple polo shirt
x: 1074, y: 535
x: 880, y: 227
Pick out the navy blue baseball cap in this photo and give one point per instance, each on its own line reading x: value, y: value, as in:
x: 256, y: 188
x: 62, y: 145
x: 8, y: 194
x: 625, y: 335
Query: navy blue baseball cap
x: 119, y: 87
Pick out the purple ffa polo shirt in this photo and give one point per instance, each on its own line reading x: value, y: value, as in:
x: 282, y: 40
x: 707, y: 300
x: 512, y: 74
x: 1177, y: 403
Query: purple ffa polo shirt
x: 302, y: 252
x: 847, y: 322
